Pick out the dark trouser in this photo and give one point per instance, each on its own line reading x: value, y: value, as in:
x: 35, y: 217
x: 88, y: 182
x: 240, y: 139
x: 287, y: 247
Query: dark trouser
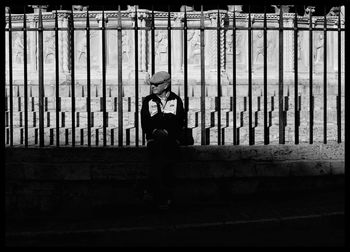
x: 162, y: 152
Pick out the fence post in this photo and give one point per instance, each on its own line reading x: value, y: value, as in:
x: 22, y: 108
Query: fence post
x: 120, y: 80
x: 234, y: 84
x: 57, y: 82
x: 218, y: 102
x: 185, y: 72
x: 325, y: 76
x: 266, y: 129
x: 311, y: 104
x: 104, y: 113
x: 339, y: 81
x: 25, y: 78
x: 10, y: 77
x: 251, y: 132
x: 136, y: 81
x: 71, y: 27
x: 203, y: 131
x: 280, y: 83
x: 296, y: 104
x: 41, y: 79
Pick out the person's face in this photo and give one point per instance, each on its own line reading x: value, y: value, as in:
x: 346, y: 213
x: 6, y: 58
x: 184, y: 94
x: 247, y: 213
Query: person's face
x: 158, y: 89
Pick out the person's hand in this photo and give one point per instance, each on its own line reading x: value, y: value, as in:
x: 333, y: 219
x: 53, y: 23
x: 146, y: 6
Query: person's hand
x: 160, y: 132
x: 150, y: 142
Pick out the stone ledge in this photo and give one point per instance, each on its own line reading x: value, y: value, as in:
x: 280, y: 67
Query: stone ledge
x: 280, y: 152
x: 196, y: 162
x: 122, y: 171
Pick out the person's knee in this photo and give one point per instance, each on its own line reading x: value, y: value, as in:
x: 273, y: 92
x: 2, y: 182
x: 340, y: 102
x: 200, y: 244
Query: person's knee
x: 153, y: 146
x: 162, y: 139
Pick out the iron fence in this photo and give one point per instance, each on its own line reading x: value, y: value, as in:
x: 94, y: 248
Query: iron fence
x: 204, y: 133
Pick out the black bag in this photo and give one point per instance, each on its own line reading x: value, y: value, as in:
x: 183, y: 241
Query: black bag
x: 186, y: 137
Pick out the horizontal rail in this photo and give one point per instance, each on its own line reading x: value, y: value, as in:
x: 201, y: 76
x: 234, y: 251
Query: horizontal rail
x: 177, y: 28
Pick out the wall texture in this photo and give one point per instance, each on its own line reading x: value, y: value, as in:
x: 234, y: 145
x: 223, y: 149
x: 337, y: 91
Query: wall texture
x: 81, y: 180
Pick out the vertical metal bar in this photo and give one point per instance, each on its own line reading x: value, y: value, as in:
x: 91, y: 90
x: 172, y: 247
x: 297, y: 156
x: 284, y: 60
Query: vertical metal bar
x: 104, y: 113
x: 25, y: 78
x: 41, y: 80
x: 234, y: 100
x: 10, y: 78
x: 296, y: 105
x: 325, y: 77
x: 251, y: 140
x: 280, y: 86
x: 136, y: 81
x: 72, y: 75
x: 203, y: 132
x: 185, y: 72
x: 339, y: 81
x: 88, y: 79
x: 266, y: 132
x: 120, y: 80
x: 310, y: 78
x: 218, y: 78
x: 153, y: 67
x: 169, y: 42
x: 57, y: 82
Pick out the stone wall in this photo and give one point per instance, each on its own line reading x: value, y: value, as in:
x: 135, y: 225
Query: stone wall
x: 79, y: 180
x: 161, y: 63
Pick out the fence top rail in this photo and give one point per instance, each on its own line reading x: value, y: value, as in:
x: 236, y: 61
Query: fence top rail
x: 16, y: 29
x: 194, y: 15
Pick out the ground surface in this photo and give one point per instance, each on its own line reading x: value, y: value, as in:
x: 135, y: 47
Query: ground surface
x: 298, y: 219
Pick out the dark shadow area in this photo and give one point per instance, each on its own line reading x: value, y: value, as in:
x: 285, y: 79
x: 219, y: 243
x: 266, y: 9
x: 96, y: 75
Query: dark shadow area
x: 289, y: 219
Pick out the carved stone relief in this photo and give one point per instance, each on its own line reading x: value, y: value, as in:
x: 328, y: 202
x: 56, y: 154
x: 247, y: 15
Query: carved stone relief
x: 239, y: 47
x: 241, y: 51
x: 161, y: 47
x: 272, y: 49
x: 17, y: 48
x: 49, y: 47
x: 229, y: 44
x: 80, y: 54
x: 300, y: 38
x: 258, y: 51
x: 112, y: 47
x: 230, y: 48
x: 318, y: 53
x: 125, y: 47
x: 193, y: 41
x: 81, y: 49
x: 95, y: 53
x: 259, y: 48
x: 303, y: 51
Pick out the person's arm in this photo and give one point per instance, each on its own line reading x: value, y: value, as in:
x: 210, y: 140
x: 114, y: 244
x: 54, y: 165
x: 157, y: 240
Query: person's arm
x: 145, y: 119
x: 180, y: 114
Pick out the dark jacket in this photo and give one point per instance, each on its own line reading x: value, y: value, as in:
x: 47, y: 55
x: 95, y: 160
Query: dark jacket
x: 171, y: 118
